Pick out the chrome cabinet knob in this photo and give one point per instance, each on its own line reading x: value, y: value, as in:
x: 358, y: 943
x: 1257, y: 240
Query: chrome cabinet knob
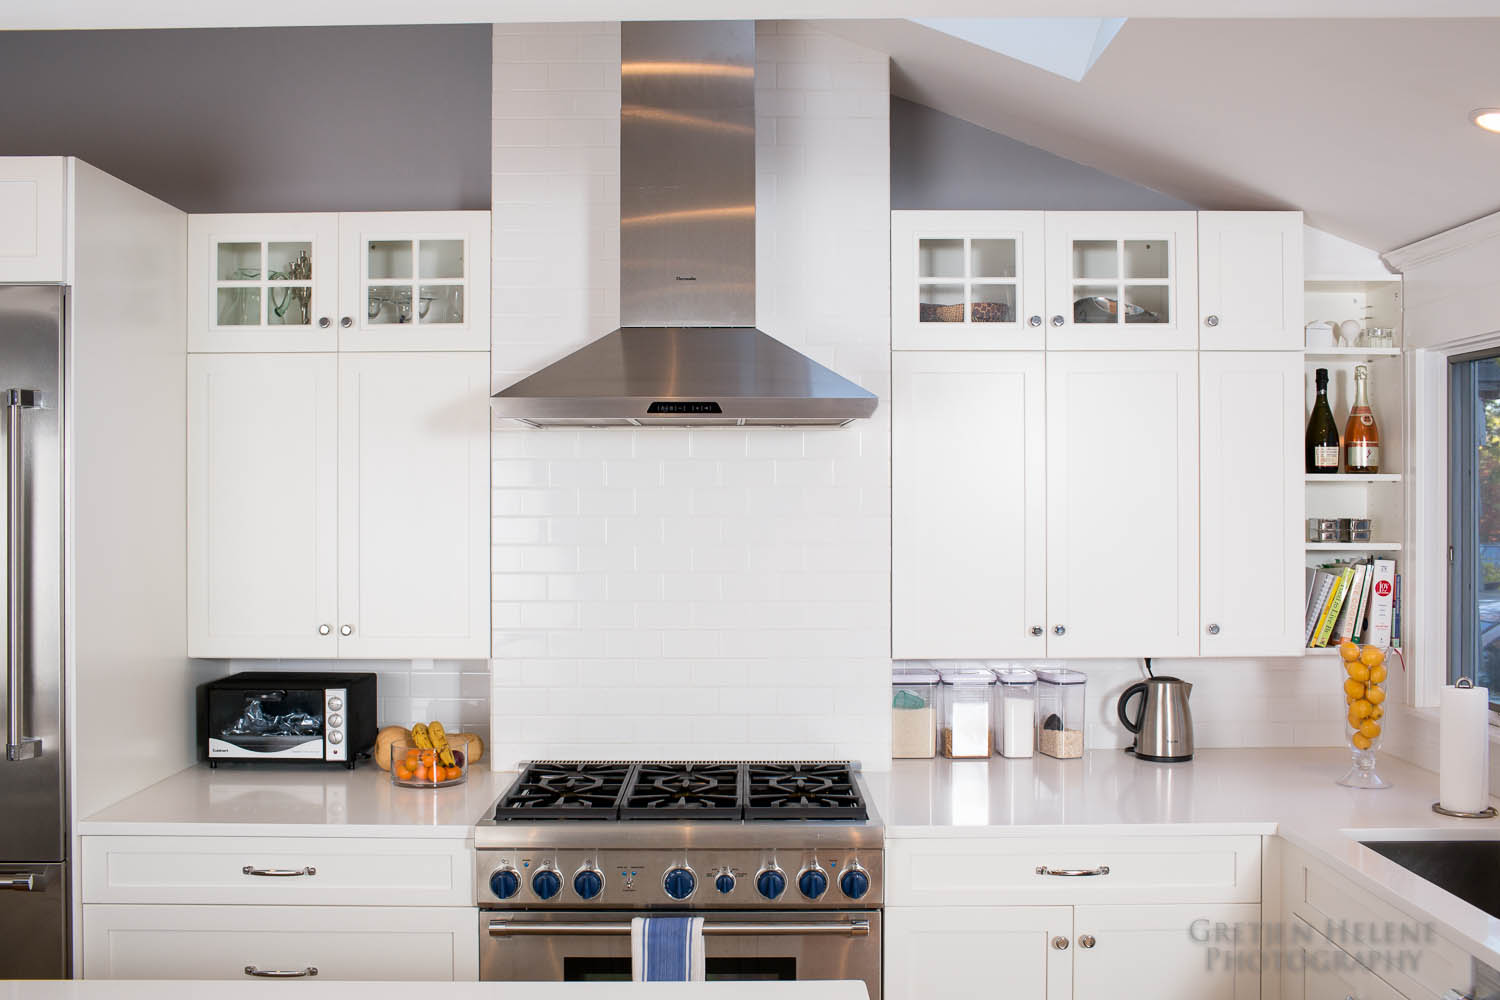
x: 346, y: 322
x: 1211, y: 321
x: 1060, y: 943
x: 1059, y: 630
x: 1037, y: 630
x: 1213, y: 630
x: 324, y: 629
x: 324, y: 322
x: 1057, y: 321
x: 1086, y: 941
x: 346, y: 630
x: 1035, y: 321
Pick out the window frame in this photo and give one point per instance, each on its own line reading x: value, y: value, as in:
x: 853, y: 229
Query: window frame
x: 1462, y: 509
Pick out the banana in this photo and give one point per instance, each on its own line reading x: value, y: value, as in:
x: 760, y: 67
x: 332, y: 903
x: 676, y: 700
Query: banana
x: 421, y: 737
x: 439, y: 740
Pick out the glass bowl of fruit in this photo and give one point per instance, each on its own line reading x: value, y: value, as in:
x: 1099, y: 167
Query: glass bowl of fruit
x: 1364, y: 677
x: 426, y: 760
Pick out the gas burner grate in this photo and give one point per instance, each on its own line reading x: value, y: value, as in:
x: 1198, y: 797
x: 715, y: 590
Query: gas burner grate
x: 703, y: 790
x: 565, y: 790
x: 802, y: 791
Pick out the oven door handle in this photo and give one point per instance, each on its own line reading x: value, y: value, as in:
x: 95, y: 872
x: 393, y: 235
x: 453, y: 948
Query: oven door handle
x: 510, y: 928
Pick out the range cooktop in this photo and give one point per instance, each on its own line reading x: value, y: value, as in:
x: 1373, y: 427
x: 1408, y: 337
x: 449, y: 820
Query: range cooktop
x: 677, y: 790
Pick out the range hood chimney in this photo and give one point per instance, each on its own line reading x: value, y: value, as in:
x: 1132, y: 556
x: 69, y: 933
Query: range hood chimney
x: 687, y: 352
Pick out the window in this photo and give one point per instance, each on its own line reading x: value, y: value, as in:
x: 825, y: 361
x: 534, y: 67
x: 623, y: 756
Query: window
x: 1474, y: 521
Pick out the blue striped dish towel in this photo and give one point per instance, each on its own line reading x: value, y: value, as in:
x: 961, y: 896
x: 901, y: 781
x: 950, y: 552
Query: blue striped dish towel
x: 666, y: 949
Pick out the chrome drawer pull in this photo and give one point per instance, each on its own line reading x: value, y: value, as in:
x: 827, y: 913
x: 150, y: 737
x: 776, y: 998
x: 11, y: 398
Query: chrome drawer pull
x: 1072, y: 872
x: 311, y: 970
x: 507, y: 928
x: 279, y: 872
x: 21, y: 883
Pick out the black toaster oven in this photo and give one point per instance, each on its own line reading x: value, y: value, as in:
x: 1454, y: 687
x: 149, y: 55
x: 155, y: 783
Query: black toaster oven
x: 285, y: 717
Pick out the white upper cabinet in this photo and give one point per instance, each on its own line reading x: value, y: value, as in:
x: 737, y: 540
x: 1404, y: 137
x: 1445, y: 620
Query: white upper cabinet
x: 379, y: 281
x: 967, y: 280
x: 262, y: 282
x: 1252, y: 503
x: 262, y: 505
x: 1122, y: 503
x: 414, y: 281
x: 968, y: 539
x: 33, y: 219
x: 1250, y: 281
x: 1122, y: 280
x: 414, y: 551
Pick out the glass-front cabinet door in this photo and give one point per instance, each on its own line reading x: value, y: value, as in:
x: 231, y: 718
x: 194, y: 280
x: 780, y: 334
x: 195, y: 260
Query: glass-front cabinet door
x: 1122, y: 280
x: 967, y: 280
x: 262, y: 282
x: 416, y: 281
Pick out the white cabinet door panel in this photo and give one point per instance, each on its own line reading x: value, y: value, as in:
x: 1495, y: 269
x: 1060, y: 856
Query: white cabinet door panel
x: 968, y: 505
x: 1197, y: 952
x: 957, y: 953
x: 1122, y: 503
x: 1253, y: 498
x: 371, y: 943
x: 1314, y: 968
x: 34, y: 219
x: 1250, y: 281
x: 262, y: 505
x: 414, y: 505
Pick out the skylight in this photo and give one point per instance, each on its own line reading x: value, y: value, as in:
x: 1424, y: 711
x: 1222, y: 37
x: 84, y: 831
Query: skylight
x: 1067, y: 46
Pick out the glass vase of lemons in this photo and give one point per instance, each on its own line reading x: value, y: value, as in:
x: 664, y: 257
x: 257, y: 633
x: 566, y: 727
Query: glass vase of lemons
x: 1364, y: 702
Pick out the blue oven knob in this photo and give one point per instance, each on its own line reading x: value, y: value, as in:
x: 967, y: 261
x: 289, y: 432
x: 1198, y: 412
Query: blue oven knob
x: 588, y: 883
x: 855, y: 883
x: 724, y: 883
x: 505, y: 883
x: 813, y: 883
x: 679, y: 883
x: 546, y: 883
x: 770, y: 883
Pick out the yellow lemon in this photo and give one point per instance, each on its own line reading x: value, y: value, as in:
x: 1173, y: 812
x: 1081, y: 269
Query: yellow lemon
x: 1377, y: 675
x: 1377, y: 712
x: 1354, y: 688
x: 1369, y: 729
x: 1348, y: 650
x: 1358, y: 671
x: 1375, y: 695
x: 1371, y: 656
x: 1360, y: 741
x: 1354, y: 720
x: 1361, y: 709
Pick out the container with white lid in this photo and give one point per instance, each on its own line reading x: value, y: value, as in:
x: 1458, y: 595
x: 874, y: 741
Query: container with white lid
x: 1015, y: 711
x: 966, y: 712
x: 1060, y: 711
x: 914, y: 711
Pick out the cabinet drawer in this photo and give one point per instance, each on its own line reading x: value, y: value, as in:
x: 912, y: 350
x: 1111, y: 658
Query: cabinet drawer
x: 1416, y: 961
x: 974, y: 872
x: 219, y: 942
x: 1317, y: 970
x: 336, y: 872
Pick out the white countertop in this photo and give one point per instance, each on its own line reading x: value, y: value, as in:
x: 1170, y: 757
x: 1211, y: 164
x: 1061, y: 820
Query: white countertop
x: 284, y: 800
x: 151, y: 989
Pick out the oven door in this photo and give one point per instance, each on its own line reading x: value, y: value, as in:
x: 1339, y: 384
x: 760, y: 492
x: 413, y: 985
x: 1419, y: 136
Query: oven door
x: 589, y: 946
x: 273, y: 723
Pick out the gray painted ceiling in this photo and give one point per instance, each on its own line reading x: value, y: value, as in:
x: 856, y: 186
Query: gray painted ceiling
x: 1362, y: 124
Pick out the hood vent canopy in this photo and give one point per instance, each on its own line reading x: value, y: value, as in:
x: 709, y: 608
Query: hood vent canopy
x: 687, y: 352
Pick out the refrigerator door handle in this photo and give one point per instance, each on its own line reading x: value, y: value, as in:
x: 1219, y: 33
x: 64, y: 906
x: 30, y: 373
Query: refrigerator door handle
x: 17, y: 746
x: 21, y: 883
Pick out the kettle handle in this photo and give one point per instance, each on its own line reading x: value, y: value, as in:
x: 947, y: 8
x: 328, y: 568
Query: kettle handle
x: 1125, y: 720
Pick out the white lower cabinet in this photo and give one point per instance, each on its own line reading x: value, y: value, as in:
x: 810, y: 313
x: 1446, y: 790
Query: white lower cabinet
x: 1317, y: 969
x: 954, y: 953
x: 244, y: 942
x: 1182, y: 952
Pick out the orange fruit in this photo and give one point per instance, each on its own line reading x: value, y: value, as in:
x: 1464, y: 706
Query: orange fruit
x: 404, y: 773
x: 1377, y: 712
x: 1371, y: 656
x: 1375, y: 695
x: 1360, y: 741
x: 1348, y: 650
x: 1377, y: 674
x: 1358, y: 671
x: 1354, y: 689
x: 1361, y: 709
x: 1369, y: 729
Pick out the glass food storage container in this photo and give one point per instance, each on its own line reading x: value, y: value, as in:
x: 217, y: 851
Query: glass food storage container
x: 1015, y: 711
x: 914, y: 699
x: 966, y: 712
x: 1059, y: 712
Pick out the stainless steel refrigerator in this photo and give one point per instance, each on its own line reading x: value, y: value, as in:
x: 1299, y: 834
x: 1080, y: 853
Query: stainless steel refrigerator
x: 34, y: 837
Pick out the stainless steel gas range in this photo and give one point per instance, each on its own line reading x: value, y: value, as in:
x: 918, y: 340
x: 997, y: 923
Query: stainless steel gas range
x: 783, y: 860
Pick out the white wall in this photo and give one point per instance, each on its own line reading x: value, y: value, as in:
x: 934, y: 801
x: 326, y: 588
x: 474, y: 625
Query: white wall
x: 717, y: 593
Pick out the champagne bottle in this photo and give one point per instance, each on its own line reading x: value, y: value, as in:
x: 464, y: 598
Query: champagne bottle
x: 1361, y: 436
x: 1322, y: 433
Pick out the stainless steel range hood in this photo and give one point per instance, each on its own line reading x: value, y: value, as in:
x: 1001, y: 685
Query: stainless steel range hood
x: 688, y: 352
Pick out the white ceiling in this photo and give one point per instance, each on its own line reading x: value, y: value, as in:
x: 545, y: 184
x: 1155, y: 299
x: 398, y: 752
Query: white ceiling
x: 233, y: 13
x: 1362, y: 124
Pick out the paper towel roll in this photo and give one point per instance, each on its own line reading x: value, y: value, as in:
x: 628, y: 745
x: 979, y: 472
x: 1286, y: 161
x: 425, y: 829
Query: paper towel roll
x: 1464, y: 749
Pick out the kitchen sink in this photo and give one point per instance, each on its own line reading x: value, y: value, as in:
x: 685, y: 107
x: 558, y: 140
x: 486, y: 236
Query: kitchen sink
x: 1469, y: 869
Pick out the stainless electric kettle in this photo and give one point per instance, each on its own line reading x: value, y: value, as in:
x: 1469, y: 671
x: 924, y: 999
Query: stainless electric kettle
x: 1163, y: 725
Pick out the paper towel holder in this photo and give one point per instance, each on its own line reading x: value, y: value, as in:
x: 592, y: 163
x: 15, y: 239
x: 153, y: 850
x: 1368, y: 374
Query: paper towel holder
x: 1489, y: 811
